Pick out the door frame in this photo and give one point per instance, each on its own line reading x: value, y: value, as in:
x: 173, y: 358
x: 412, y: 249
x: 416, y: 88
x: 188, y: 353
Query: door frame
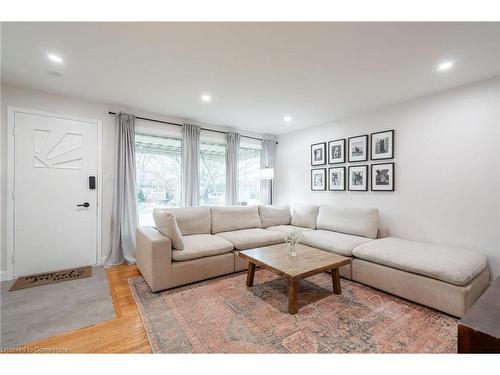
x: 11, y: 111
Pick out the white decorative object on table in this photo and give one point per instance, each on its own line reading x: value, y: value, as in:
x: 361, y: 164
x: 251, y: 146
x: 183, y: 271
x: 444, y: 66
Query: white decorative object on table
x: 293, y: 238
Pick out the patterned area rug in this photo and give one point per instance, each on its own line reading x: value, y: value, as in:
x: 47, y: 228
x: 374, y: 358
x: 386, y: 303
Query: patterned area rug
x: 224, y: 316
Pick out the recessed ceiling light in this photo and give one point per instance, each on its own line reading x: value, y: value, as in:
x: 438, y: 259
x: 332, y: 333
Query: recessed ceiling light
x: 55, y: 58
x: 206, y: 98
x: 287, y: 119
x: 445, y: 65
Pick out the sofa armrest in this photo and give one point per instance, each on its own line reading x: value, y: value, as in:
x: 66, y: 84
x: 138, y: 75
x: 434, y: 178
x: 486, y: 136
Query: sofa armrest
x: 154, y: 257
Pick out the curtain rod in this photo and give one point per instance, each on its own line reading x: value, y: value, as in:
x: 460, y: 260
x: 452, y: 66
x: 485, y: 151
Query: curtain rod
x: 176, y: 124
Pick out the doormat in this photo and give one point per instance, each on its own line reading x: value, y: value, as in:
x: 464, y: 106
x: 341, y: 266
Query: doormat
x: 51, y: 277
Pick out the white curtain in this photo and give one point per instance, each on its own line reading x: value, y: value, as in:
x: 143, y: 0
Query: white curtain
x: 267, y: 160
x: 232, y: 158
x: 124, y: 211
x: 190, y: 164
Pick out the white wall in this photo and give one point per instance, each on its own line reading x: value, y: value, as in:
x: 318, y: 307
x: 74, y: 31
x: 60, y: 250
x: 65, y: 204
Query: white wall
x: 32, y: 99
x: 447, y: 168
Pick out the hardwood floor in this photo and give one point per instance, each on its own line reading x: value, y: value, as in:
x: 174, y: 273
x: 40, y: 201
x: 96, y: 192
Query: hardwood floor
x: 125, y: 334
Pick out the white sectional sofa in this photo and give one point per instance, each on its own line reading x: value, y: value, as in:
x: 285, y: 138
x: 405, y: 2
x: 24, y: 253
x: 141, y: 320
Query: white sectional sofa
x: 442, y: 277
x: 208, y: 240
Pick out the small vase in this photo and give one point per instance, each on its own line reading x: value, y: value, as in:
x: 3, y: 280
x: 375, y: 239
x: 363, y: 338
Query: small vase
x: 292, y: 249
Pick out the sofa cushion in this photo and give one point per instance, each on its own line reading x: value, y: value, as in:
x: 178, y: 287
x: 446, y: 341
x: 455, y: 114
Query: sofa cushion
x: 225, y: 219
x: 166, y: 224
x: 355, y: 221
x: 450, y: 264
x: 202, y: 245
x: 334, y: 242
x: 305, y: 215
x: 192, y: 220
x: 288, y: 228
x: 274, y: 215
x: 251, y: 238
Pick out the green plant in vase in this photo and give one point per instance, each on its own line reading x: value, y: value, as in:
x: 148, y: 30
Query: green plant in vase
x: 292, y: 238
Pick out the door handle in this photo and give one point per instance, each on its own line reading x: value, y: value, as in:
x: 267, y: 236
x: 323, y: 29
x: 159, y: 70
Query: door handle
x: 86, y: 204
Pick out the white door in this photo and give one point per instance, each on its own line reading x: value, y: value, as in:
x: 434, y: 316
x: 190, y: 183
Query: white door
x: 55, y: 209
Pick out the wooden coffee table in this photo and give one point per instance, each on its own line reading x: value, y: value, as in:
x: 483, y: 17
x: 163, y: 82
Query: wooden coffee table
x: 309, y: 261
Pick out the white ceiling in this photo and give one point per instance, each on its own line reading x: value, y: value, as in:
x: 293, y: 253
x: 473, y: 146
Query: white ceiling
x: 256, y: 72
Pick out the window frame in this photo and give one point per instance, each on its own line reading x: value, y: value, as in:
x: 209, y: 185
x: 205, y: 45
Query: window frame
x: 216, y: 141
x: 254, y: 145
x: 149, y: 132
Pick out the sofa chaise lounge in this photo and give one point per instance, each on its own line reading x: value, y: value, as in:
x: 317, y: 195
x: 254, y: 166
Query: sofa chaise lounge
x: 203, y: 242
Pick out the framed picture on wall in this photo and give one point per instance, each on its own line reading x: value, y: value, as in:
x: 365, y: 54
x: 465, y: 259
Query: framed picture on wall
x: 382, y: 145
x: 358, y: 148
x: 336, y: 151
x: 358, y: 178
x: 336, y: 178
x: 318, y: 154
x: 318, y: 179
x: 383, y: 177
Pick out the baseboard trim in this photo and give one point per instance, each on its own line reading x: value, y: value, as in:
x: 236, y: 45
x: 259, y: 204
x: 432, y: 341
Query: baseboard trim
x: 3, y: 276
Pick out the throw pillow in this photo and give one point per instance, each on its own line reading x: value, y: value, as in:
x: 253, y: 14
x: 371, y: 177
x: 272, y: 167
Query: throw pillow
x: 167, y: 225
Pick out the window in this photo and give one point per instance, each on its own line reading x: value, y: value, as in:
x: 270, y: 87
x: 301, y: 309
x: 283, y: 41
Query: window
x: 249, y: 180
x: 158, y: 174
x: 212, y: 174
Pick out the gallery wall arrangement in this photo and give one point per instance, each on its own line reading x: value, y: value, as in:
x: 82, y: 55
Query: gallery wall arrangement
x: 377, y: 146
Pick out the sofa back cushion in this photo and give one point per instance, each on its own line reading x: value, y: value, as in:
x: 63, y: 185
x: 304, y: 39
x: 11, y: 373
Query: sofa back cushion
x: 356, y: 221
x: 192, y: 220
x: 225, y: 219
x: 166, y: 224
x: 305, y: 215
x: 274, y: 215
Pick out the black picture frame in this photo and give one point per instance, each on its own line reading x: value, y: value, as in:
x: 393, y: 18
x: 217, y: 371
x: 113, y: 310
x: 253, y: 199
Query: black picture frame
x: 356, y: 159
x: 340, y: 141
x: 392, y: 173
x: 323, y: 171
x: 321, y: 145
x: 367, y: 179
x: 330, y: 170
x: 373, y: 148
